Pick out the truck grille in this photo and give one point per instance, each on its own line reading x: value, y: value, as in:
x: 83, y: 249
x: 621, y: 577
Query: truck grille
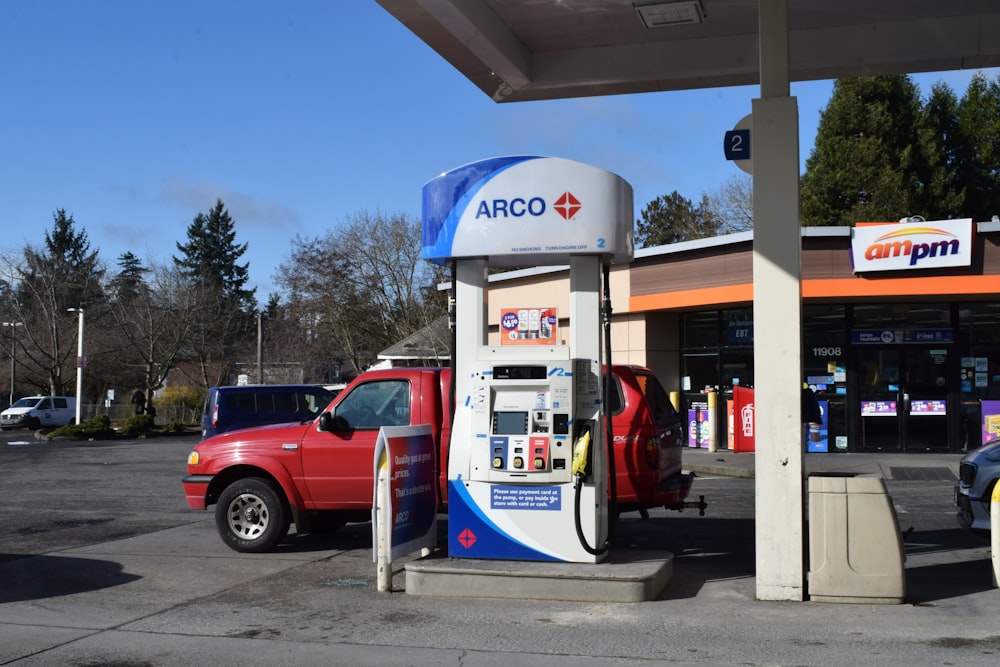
x: 966, y: 474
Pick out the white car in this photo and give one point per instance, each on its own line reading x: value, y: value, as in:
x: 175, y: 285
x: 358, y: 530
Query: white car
x: 978, y: 472
x: 36, y: 412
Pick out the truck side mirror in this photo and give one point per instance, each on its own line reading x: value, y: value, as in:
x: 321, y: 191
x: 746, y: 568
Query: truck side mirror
x: 331, y: 422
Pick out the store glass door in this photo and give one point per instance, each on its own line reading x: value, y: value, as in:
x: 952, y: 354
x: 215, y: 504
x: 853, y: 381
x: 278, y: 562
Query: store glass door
x: 904, y: 398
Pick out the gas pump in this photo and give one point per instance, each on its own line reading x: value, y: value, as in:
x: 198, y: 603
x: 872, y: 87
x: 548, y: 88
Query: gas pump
x: 528, y: 455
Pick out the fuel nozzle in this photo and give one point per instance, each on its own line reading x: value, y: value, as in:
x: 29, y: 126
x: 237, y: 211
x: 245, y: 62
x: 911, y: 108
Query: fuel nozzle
x: 581, y: 450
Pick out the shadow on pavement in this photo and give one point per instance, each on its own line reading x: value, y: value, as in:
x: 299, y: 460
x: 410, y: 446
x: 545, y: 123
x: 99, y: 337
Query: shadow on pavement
x: 349, y: 537
x: 959, y: 565
x: 932, y: 583
x: 40, y: 577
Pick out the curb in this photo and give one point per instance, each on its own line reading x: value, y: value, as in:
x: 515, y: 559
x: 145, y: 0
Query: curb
x: 722, y: 471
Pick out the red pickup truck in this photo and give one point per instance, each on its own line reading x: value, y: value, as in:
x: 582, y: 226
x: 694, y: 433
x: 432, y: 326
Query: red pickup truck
x: 319, y: 474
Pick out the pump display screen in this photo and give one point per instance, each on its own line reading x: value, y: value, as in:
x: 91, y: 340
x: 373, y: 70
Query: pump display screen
x: 510, y: 423
x: 520, y: 372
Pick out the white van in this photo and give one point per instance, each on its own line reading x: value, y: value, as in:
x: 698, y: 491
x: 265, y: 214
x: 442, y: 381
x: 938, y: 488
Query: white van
x: 38, y: 411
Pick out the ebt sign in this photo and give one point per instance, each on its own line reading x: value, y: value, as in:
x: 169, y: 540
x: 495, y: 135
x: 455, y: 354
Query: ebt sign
x: 911, y: 245
x: 527, y: 211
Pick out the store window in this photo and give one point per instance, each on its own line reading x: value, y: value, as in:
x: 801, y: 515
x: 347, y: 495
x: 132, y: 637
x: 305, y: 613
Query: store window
x: 701, y: 370
x: 979, y: 373
x: 717, y: 349
x: 824, y: 348
x: 907, y: 316
x: 737, y: 368
x: 824, y: 365
x: 700, y: 330
x: 738, y: 324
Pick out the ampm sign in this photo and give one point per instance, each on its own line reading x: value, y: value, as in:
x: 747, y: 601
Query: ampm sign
x: 523, y: 211
x: 911, y: 245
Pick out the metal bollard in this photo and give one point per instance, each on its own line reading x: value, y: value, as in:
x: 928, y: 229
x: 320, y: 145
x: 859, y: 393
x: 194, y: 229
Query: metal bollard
x: 383, y: 522
x: 712, y: 403
x: 995, y: 532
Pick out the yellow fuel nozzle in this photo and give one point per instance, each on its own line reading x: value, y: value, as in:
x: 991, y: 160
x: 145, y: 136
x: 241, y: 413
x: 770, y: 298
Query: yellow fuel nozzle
x: 580, y: 454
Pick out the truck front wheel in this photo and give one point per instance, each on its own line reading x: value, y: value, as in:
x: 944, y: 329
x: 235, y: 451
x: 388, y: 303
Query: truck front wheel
x: 250, y: 516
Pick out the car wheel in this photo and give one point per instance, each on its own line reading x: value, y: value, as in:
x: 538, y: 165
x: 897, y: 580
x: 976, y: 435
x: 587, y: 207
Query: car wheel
x: 250, y: 516
x: 34, y: 423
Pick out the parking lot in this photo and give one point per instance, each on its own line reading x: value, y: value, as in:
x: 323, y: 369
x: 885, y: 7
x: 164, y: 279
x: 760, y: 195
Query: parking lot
x: 101, y: 562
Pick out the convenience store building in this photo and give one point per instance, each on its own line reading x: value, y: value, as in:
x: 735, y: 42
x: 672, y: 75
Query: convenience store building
x: 904, y: 357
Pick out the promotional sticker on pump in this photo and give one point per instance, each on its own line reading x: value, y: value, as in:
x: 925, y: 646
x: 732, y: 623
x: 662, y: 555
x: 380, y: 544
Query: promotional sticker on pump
x: 528, y: 326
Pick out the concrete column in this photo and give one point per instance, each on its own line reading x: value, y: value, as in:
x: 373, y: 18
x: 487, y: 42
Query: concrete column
x: 777, y: 319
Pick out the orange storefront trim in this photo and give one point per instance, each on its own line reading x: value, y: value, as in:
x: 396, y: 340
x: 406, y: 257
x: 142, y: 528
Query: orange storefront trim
x: 888, y: 288
x: 708, y: 296
x: 945, y: 286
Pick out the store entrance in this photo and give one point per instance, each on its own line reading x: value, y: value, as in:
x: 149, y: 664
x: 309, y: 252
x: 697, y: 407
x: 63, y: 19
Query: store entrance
x: 904, y: 398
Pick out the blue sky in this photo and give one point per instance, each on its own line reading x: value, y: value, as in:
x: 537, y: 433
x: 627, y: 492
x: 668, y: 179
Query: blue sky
x: 134, y: 116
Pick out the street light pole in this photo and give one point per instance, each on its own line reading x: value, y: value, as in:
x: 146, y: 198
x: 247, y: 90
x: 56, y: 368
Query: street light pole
x: 13, y: 350
x: 80, y: 362
x: 260, y: 347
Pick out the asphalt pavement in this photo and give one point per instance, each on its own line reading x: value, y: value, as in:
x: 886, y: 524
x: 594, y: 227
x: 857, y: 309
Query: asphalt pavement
x: 178, y: 596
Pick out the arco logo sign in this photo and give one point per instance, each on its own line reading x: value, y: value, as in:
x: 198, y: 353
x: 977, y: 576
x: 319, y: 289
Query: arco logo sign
x: 566, y: 206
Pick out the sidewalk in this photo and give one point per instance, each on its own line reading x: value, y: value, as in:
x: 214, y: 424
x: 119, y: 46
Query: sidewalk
x: 727, y: 463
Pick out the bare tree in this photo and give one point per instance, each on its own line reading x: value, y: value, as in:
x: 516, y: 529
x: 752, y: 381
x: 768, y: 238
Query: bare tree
x: 43, y: 284
x: 360, y: 288
x: 386, y: 265
x: 153, y: 315
x: 732, y: 203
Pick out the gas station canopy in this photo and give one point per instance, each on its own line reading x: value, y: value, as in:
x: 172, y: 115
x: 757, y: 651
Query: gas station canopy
x: 518, y: 50
x: 521, y: 50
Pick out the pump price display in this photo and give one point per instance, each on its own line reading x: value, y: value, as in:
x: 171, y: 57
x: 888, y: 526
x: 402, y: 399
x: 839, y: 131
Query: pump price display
x: 525, y: 498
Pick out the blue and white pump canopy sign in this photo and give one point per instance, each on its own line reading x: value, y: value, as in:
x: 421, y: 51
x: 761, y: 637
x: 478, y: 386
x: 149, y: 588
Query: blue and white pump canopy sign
x: 527, y: 211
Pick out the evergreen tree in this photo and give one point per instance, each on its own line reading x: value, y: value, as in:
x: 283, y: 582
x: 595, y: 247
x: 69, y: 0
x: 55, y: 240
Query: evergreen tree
x: 672, y: 218
x: 130, y: 281
x: 942, y: 193
x: 979, y: 148
x: 865, y: 164
x: 211, y: 256
x: 225, y: 321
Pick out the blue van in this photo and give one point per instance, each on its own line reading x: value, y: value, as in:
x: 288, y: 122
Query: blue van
x: 246, y: 406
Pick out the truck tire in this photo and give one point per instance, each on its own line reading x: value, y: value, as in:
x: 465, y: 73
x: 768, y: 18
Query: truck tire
x: 250, y: 516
